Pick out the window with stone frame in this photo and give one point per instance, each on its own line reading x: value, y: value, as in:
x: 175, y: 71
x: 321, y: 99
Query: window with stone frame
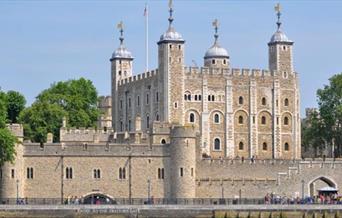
x: 122, y: 173
x: 264, y: 146
x: 263, y: 120
x: 217, y: 144
x: 240, y: 100
x: 286, y: 146
x: 286, y: 102
x: 97, y: 173
x: 240, y: 119
x: 68, y: 173
x: 286, y: 121
x: 217, y: 118
x: 192, y: 118
x: 263, y: 101
x: 241, y: 146
x: 29, y: 173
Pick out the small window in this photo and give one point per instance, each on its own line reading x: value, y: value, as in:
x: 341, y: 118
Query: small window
x: 129, y: 103
x: 240, y: 100
x: 217, y: 144
x: 129, y: 125
x: 189, y: 97
x: 192, y: 118
x: 253, y: 119
x: 147, y: 122
x: 263, y: 120
x: 224, y: 61
x: 285, y: 75
x: 192, y: 172
x: 157, y: 96
x: 286, y: 146
x: 157, y: 117
x: 286, y: 102
x: 209, y: 98
x: 97, y: 173
x: 240, y: 119
x: 160, y: 173
x: 284, y: 48
x: 170, y: 46
x: 181, y: 172
x: 120, y: 104
x: 200, y: 97
x: 119, y: 61
x: 85, y: 146
x: 68, y: 173
x: 213, y: 61
x: 264, y: 146
x: 241, y: 146
x: 147, y: 99
x: 138, y: 100
x: 176, y: 105
x: 121, y: 126
x: 213, y: 98
x: 263, y: 101
x: 217, y: 118
x: 122, y: 173
x: 163, y: 141
x: 185, y: 97
x: 29, y: 173
x: 195, y: 97
x: 179, y: 47
x: 286, y: 121
x: 12, y: 174
x: 119, y: 72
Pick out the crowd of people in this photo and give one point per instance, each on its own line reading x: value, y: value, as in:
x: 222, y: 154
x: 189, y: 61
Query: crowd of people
x: 332, y: 198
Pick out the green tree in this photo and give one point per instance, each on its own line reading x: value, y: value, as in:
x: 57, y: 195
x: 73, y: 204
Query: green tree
x: 7, y: 140
x: 74, y: 99
x: 330, y: 112
x: 15, y: 104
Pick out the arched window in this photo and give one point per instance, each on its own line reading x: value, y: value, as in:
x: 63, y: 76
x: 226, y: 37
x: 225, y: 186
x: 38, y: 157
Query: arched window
x: 209, y: 98
x: 286, y: 102
x: 200, y: 97
x: 192, y: 118
x: 213, y: 97
x: 240, y: 119
x: 263, y: 120
x: 240, y: 100
x: 163, y: 141
x: 157, y: 117
x: 129, y: 125
x: 224, y: 61
x: 241, y: 146
x: 264, y: 146
x: 286, y: 146
x: 286, y: 121
x: 185, y: 97
x: 217, y: 118
x: 189, y: 97
x: 120, y: 173
x: 217, y: 144
x: 147, y: 121
x: 263, y: 101
x: 195, y: 97
x: 213, y: 61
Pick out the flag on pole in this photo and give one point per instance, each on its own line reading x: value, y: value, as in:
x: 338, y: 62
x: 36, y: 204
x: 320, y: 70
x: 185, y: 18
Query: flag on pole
x: 145, y: 11
x: 277, y: 8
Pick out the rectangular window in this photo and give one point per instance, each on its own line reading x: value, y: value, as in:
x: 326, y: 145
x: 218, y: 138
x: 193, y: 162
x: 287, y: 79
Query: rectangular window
x: 97, y: 174
x: 192, y: 172
x: 162, y: 173
x: 147, y: 99
x: 68, y: 173
x: 12, y: 174
x: 181, y: 172
x: 157, y: 96
x: 129, y: 125
x: 120, y: 104
x: 129, y: 103
x: 138, y: 100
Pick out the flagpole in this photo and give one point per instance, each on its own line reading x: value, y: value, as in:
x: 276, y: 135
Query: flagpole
x: 146, y: 37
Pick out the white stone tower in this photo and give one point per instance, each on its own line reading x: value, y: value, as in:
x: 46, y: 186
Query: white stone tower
x: 121, y: 68
x: 170, y: 67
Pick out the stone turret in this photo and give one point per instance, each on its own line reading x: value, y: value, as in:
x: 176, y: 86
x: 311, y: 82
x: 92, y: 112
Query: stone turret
x: 121, y: 68
x: 171, y: 78
x: 12, y: 180
x: 183, y: 161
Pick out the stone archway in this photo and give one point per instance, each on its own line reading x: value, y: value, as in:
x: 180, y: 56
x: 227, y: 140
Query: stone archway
x: 319, y: 181
x: 98, y: 198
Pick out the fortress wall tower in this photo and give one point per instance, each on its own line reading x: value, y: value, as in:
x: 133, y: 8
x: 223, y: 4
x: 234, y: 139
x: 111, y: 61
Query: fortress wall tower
x: 12, y: 174
x: 171, y: 78
x: 183, y: 162
x: 121, y: 68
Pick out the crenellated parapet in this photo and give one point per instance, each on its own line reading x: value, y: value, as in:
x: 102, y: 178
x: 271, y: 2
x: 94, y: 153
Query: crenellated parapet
x: 139, y: 77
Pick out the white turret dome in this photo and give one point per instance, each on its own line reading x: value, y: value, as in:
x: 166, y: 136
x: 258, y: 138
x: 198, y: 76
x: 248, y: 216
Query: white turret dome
x: 216, y: 51
x: 171, y: 35
x: 279, y: 36
x: 122, y: 52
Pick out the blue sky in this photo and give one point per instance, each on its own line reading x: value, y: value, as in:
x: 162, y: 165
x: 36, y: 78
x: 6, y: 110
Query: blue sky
x: 46, y: 41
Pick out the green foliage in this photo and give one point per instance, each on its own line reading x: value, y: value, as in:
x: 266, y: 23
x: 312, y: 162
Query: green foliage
x: 7, y: 146
x: 3, y: 109
x: 74, y: 99
x: 15, y: 104
x: 326, y: 127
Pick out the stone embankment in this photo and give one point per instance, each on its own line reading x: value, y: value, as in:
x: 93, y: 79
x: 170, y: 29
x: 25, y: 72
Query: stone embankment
x: 144, y: 211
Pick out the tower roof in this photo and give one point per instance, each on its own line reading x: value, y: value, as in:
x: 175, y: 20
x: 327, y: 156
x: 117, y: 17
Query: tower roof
x: 216, y: 51
x: 121, y: 52
x: 171, y: 34
x: 279, y: 35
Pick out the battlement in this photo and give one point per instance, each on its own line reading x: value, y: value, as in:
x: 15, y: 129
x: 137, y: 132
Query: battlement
x: 228, y: 72
x: 138, y: 77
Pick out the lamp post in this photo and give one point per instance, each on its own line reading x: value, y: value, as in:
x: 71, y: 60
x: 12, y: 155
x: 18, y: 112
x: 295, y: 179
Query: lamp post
x: 303, y: 188
x: 17, y: 191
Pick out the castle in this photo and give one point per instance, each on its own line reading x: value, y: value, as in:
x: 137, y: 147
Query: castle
x: 180, y: 132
